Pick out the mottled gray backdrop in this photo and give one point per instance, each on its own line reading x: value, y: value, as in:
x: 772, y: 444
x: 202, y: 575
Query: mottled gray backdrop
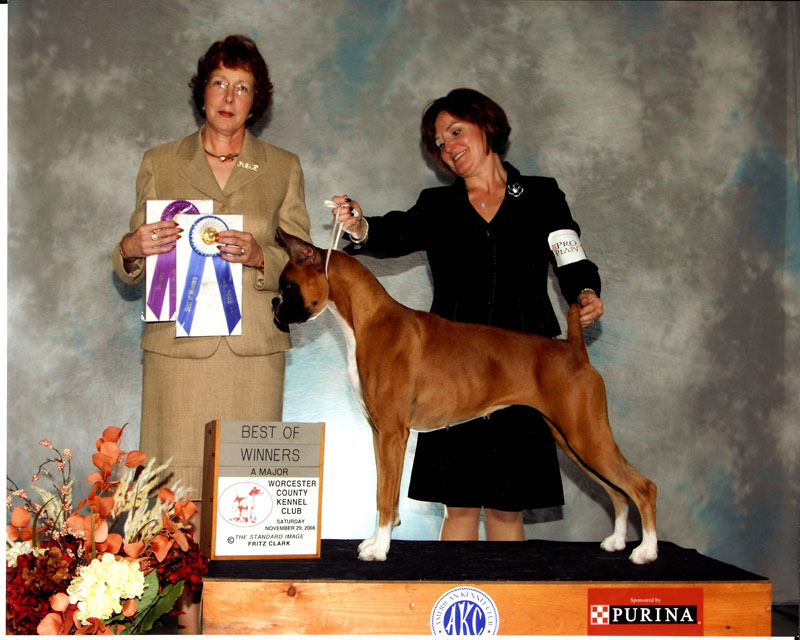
x: 671, y: 127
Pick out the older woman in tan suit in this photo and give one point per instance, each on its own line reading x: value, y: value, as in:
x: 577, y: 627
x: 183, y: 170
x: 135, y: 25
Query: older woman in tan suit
x: 189, y: 381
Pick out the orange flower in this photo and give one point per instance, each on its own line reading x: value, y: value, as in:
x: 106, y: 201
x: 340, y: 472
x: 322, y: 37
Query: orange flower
x: 129, y: 608
x: 59, y: 621
x: 161, y: 545
x: 93, y: 528
x: 166, y: 495
x: 113, y: 434
x: 112, y: 544
x: 180, y: 537
x: 101, y: 506
x: 53, y: 624
x: 102, y: 462
x: 133, y: 549
x: 93, y: 626
x: 185, y: 509
x: 19, y: 529
x: 135, y: 459
x: 59, y: 601
x: 107, y: 456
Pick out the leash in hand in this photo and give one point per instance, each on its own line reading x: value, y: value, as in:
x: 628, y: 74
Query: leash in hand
x: 336, y: 232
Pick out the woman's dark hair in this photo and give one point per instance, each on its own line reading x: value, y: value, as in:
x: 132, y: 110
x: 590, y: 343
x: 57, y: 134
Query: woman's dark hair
x: 235, y: 52
x: 474, y: 107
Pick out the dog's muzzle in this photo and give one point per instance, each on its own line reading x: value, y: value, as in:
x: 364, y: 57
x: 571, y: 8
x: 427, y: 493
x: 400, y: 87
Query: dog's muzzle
x: 276, y: 302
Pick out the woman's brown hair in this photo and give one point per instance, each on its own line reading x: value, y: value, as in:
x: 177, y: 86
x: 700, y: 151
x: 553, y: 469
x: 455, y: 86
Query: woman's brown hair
x: 471, y: 106
x: 235, y: 52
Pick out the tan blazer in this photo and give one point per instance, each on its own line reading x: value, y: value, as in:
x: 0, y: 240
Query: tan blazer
x: 267, y: 188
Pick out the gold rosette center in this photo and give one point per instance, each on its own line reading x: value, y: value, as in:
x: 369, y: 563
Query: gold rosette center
x: 209, y: 235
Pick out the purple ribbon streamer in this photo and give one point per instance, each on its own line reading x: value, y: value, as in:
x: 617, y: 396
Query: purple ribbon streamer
x: 164, y: 274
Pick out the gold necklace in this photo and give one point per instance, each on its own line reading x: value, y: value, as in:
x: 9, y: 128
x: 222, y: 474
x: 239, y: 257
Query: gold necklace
x: 225, y: 158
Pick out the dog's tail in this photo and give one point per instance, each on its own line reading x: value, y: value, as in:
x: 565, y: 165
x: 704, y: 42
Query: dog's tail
x: 574, y: 328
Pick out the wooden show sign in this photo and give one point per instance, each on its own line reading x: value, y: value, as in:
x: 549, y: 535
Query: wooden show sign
x: 262, y: 490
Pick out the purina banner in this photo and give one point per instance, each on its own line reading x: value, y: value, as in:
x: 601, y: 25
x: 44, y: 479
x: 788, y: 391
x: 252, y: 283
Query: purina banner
x: 634, y: 611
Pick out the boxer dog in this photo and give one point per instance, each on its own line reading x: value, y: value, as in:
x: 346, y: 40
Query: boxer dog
x: 415, y: 370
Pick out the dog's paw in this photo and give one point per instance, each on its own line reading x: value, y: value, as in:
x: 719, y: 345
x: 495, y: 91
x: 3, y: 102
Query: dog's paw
x: 371, y: 551
x: 645, y: 553
x: 614, y: 542
x: 376, y: 547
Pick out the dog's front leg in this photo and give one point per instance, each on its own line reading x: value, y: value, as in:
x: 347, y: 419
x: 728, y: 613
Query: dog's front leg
x: 390, y: 449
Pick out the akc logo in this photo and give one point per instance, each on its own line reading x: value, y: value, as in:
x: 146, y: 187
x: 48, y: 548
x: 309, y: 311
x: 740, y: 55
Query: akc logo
x: 464, y: 611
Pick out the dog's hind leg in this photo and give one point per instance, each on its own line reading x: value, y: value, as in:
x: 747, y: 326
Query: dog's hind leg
x: 621, y: 480
x: 599, y: 457
x: 619, y: 536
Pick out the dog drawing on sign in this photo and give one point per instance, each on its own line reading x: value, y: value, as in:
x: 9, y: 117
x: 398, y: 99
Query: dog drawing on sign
x: 415, y: 370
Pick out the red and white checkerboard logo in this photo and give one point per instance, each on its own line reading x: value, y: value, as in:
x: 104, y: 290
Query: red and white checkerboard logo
x: 599, y: 614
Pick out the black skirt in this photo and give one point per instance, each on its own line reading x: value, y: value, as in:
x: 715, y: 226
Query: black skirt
x: 506, y: 462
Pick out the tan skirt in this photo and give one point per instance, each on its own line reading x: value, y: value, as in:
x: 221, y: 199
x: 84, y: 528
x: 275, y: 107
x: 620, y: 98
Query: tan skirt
x: 181, y: 395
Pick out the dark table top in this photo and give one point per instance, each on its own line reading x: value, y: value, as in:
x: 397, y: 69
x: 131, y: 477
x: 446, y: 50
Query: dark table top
x: 529, y: 561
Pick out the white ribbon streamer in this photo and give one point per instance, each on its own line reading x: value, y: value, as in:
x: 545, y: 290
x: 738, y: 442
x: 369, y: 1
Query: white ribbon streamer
x: 336, y: 232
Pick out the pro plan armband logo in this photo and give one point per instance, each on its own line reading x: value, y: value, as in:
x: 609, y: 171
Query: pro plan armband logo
x: 643, y: 612
x: 464, y: 611
x: 566, y: 247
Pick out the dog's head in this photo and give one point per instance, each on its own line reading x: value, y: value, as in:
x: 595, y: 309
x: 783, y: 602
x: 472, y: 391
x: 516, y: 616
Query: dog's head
x: 303, y: 285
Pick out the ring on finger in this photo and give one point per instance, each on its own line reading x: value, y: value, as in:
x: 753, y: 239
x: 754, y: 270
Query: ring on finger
x: 241, y: 253
x: 154, y: 236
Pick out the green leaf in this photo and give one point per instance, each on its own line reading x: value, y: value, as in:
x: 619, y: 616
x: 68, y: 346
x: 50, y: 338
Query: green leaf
x: 150, y: 593
x: 163, y: 605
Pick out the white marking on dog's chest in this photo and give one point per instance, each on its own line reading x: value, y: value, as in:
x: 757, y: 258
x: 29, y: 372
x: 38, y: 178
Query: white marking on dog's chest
x: 352, y: 365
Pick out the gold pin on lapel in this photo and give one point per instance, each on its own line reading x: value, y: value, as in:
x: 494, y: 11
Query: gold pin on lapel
x: 252, y: 166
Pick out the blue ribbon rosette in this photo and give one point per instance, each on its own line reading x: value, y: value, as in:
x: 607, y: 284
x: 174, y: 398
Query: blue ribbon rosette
x: 203, y: 240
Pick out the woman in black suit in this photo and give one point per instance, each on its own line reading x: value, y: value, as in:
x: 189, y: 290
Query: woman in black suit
x: 490, y: 239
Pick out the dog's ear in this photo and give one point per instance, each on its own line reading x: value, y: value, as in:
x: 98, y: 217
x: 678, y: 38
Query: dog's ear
x: 300, y: 252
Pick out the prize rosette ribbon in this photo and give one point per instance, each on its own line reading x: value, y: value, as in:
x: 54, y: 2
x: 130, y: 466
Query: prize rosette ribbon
x: 203, y: 240
x: 164, y: 274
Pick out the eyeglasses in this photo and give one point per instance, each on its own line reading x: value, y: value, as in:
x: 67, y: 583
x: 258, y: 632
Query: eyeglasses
x: 221, y: 86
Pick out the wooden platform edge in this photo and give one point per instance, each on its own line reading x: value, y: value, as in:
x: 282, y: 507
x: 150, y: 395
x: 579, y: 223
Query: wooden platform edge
x: 524, y: 608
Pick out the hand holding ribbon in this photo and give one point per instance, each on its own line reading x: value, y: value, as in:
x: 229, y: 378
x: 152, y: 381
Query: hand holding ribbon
x: 203, y: 237
x: 239, y: 246
x: 163, y: 240
x: 151, y: 238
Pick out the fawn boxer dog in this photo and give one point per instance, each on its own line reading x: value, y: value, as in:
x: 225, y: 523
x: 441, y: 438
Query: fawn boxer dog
x: 415, y: 370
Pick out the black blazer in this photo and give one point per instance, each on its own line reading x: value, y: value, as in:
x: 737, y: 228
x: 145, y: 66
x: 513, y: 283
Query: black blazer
x: 494, y: 272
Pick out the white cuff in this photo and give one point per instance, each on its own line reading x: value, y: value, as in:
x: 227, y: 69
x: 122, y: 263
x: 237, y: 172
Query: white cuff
x: 360, y: 240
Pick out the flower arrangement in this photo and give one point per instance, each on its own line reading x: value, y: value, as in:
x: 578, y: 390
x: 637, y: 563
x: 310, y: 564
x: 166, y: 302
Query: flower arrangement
x: 72, y: 572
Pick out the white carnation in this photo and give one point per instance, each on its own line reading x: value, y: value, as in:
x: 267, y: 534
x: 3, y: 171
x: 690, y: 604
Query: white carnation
x: 19, y: 548
x: 102, y: 586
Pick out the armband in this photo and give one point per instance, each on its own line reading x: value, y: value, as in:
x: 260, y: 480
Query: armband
x: 566, y: 247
